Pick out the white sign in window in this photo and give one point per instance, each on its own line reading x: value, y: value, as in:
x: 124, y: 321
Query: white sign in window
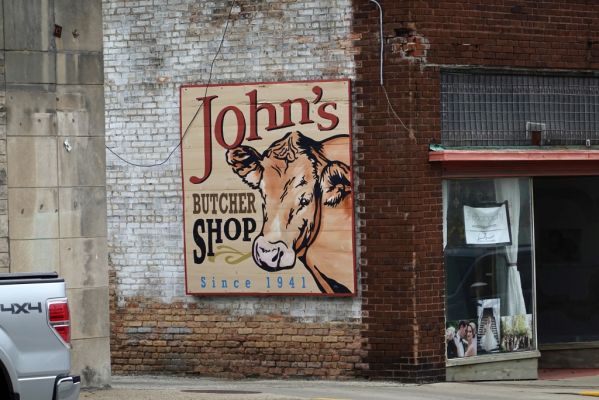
x: 487, y: 225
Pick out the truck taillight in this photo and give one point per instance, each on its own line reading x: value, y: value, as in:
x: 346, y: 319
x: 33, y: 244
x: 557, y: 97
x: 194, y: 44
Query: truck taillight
x: 59, y: 319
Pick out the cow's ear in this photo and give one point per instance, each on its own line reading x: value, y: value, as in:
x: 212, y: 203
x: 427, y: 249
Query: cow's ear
x: 335, y: 183
x: 245, y: 162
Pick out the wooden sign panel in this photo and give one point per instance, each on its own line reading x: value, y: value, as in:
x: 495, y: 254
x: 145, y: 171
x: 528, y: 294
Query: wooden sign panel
x: 267, y: 185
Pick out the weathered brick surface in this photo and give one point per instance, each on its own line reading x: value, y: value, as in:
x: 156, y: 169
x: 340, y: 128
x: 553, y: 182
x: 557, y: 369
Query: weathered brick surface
x: 151, y: 48
x: 183, y: 338
x: 400, y: 203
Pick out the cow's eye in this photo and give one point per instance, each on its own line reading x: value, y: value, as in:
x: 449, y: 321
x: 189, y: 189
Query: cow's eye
x: 304, y: 201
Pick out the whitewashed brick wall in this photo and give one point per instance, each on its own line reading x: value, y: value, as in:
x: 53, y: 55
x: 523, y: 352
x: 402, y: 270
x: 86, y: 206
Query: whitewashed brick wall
x: 151, y: 48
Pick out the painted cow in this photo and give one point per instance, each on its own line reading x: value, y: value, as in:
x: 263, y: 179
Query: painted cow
x: 306, y: 188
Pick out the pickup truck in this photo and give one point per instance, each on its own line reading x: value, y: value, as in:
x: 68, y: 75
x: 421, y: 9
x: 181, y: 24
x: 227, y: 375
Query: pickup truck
x: 35, y: 335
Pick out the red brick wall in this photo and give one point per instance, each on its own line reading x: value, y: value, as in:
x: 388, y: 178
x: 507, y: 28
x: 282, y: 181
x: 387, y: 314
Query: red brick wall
x: 400, y: 191
x: 530, y: 34
x: 182, y: 338
x: 400, y: 196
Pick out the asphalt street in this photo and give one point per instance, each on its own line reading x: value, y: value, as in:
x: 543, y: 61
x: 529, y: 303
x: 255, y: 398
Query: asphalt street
x: 176, y: 388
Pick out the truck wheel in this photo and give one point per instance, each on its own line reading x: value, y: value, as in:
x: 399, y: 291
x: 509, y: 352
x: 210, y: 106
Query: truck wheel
x: 5, y: 385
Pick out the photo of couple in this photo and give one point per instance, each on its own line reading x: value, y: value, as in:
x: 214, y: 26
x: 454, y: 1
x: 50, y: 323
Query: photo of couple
x: 460, y: 338
x: 488, y: 333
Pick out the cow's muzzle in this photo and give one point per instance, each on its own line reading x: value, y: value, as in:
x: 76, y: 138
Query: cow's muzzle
x: 272, y: 256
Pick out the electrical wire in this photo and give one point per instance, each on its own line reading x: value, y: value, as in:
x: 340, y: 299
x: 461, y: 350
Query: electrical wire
x: 381, y: 53
x: 393, y: 109
x: 233, y: 4
x: 222, y: 40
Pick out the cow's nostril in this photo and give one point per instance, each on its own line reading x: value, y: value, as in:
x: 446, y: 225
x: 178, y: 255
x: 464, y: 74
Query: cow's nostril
x: 276, y: 257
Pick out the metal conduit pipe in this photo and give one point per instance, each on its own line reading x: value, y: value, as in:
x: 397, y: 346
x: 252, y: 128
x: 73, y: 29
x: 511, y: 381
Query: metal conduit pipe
x: 380, y: 36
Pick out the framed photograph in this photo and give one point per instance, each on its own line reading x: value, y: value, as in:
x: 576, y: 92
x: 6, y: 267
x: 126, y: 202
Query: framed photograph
x: 461, y: 338
x: 489, y: 325
x: 516, y: 333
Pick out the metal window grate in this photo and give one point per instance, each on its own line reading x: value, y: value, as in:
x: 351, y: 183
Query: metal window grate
x: 518, y: 110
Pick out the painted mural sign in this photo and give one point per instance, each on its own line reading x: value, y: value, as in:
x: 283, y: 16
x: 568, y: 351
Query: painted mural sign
x: 267, y: 183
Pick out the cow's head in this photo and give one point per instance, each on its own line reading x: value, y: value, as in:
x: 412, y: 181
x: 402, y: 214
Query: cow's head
x: 296, y: 181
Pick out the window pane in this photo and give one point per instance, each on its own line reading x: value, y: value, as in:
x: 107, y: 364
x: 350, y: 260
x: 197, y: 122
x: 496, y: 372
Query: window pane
x: 488, y: 264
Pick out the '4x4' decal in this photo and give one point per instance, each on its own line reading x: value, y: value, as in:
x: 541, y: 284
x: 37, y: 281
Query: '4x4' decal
x: 24, y: 308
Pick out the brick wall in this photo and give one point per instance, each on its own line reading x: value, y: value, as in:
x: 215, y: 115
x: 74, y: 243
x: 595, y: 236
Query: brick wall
x: 400, y: 196
x: 526, y: 34
x: 191, y: 338
x: 394, y: 330
x: 400, y: 204
x: 151, y: 48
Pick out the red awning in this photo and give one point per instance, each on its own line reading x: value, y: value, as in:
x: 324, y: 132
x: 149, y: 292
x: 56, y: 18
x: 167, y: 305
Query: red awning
x: 516, y: 162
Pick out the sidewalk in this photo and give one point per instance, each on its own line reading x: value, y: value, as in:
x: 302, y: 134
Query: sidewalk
x: 568, y: 385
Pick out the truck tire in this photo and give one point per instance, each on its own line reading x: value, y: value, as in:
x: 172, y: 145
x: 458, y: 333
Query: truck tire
x: 6, y: 391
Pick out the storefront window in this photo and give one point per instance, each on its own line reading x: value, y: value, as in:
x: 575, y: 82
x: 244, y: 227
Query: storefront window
x: 489, y: 267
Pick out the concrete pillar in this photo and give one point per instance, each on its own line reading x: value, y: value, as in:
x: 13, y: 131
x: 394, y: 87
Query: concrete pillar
x: 4, y: 251
x: 52, y: 162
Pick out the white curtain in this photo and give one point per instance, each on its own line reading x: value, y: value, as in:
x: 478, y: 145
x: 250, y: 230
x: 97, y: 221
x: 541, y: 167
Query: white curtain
x: 445, y: 206
x: 509, y: 189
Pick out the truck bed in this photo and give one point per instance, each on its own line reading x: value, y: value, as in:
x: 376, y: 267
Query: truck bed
x: 29, y: 277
